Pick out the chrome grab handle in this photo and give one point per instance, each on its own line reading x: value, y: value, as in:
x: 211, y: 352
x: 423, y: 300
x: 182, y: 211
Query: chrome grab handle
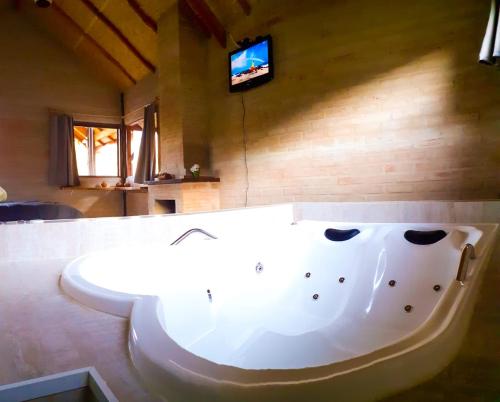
x: 468, y: 254
x: 189, y: 232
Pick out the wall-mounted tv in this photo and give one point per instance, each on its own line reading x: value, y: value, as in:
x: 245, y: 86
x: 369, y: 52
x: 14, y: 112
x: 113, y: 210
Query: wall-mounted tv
x: 251, y: 65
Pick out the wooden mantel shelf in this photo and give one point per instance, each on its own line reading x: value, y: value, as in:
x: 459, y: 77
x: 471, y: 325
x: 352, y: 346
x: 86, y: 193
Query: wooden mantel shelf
x: 111, y: 188
x: 187, y: 179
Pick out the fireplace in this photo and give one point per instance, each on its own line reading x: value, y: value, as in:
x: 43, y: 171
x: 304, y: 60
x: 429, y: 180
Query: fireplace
x: 183, y: 195
x: 164, y: 206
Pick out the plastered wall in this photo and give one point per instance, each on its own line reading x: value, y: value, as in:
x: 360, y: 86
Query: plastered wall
x: 38, y: 74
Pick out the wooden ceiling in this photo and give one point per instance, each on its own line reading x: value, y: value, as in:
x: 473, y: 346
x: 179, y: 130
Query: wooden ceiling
x: 118, y: 38
x: 102, y: 136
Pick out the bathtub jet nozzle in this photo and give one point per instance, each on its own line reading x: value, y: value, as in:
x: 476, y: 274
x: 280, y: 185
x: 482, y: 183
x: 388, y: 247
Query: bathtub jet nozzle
x: 259, y: 267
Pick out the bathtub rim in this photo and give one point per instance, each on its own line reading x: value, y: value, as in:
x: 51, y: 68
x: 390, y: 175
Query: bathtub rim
x: 94, y: 296
x: 445, y: 316
x: 121, y: 303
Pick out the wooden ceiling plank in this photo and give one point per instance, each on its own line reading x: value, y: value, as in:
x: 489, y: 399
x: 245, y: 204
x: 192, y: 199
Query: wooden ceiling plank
x: 79, y: 136
x: 143, y: 15
x: 106, y: 21
x: 105, y: 53
x: 80, y: 131
x: 101, y: 144
x: 209, y: 19
x: 246, y: 7
x: 107, y: 132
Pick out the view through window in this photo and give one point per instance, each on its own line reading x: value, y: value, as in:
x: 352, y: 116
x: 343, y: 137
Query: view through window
x: 96, y: 150
x: 135, y: 146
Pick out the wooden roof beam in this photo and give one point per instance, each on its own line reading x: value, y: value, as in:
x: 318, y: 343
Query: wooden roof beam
x: 143, y: 15
x: 208, y: 19
x: 105, y: 132
x: 16, y: 5
x: 80, y: 133
x: 80, y: 30
x: 195, y: 20
x: 106, y: 21
x: 246, y: 7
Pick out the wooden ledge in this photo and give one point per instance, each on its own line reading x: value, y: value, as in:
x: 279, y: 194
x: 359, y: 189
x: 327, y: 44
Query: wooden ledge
x: 187, y: 179
x: 111, y: 188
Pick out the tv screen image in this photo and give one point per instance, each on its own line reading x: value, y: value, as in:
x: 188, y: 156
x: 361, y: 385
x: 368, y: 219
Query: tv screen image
x: 251, y: 66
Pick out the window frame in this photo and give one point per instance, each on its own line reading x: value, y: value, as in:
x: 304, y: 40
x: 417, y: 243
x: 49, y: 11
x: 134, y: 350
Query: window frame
x: 115, y: 126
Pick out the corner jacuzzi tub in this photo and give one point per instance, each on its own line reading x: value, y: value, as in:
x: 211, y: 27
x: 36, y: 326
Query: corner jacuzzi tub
x: 317, y: 311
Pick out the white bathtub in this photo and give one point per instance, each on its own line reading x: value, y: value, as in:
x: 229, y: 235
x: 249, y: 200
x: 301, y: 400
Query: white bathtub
x: 290, y: 315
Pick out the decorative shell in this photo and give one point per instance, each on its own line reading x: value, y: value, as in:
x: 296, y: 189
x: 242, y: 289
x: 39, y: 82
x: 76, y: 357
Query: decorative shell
x: 3, y: 194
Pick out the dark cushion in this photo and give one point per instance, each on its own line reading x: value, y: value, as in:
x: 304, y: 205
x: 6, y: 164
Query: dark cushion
x: 30, y: 210
x: 340, y: 235
x: 424, y: 237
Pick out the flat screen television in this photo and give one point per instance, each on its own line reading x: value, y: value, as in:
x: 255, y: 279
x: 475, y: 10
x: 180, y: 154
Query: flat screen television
x: 251, y: 65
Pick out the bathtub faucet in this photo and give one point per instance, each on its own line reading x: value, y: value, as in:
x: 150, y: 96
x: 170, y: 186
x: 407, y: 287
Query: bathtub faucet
x: 468, y: 253
x: 189, y: 232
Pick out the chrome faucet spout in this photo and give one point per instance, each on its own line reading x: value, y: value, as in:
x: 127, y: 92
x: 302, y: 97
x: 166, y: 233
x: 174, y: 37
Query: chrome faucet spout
x: 468, y: 253
x: 190, y: 232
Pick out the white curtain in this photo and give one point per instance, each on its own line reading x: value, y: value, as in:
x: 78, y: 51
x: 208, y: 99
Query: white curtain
x: 490, y: 50
x: 146, y: 163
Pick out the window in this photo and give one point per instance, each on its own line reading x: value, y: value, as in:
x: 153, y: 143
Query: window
x: 96, y: 149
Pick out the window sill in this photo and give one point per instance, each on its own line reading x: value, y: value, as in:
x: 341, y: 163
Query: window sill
x: 111, y: 188
x: 99, y: 177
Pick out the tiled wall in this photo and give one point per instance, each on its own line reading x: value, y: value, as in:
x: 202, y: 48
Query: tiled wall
x: 372, y: 100
x: 401, y: 211
x: 37, y: 75
x: 70, y: 239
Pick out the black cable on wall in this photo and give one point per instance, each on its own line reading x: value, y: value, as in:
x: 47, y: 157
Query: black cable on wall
x: 245, y: 148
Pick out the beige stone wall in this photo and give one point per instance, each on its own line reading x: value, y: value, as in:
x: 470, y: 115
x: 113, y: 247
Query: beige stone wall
x: 183, y: 56
x: 170, y: 90
x: 372, y: 100
x: 138, y: 96
x: 194, y: 56
x: 36, y: 75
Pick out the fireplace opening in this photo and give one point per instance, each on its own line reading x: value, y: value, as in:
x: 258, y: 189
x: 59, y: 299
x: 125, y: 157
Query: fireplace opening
x: 164, y: 206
